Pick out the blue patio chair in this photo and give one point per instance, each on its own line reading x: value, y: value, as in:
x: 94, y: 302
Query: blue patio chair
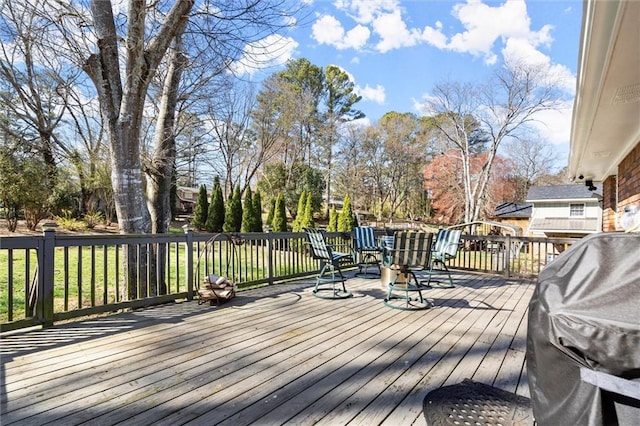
x: 444, y: 248
x: 410, y: 253
x: 330, y: 274
x: 368, y: 251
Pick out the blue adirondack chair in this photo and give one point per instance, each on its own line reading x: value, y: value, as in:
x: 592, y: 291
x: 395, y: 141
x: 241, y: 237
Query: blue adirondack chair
x: 368, y: 251
x: 410, y: 253
x: 330, y: 275
x: 444, y: 248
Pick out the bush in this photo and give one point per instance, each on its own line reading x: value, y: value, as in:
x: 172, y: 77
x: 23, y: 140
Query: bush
x: 70, y: 223
x: 93, y: 219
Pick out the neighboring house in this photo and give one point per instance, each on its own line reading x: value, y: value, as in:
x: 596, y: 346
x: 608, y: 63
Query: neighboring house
x: 605, y: 128
x: 186, y: 199
x: 517, y: 214
x: 565, y: 210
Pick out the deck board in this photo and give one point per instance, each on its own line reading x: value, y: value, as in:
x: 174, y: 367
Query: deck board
x: 274, y: 355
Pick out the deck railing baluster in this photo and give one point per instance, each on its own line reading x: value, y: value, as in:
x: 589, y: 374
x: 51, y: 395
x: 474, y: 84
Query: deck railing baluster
x: 163, y: 275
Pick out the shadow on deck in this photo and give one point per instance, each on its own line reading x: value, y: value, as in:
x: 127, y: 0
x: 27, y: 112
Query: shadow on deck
x: 273, y: 355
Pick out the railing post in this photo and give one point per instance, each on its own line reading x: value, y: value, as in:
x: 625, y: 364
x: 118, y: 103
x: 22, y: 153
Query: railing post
x: 188, y: 231
x: 269, y: 257
x: 507, y: 260
x: 46, y: 259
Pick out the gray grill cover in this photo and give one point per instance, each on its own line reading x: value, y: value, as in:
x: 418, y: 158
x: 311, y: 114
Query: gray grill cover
x: 585, y: 312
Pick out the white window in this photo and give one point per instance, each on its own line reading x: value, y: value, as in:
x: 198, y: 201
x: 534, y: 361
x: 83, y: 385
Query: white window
x: 576, y: 210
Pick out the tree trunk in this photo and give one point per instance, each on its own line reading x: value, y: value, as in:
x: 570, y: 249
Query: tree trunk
x: 159, y: 171
x: 121, y: 107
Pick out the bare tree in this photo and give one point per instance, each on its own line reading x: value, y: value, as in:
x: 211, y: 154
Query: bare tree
x: 375, y: 178
x: 122, y: 103
x: 217, y: 35
x: 501, y: 108
x: 230, y: 119
x: 532, y: 158
x: 350, y: 171
x: 159, y: 169
x: 404, y: 155
x: 35, y: 83
x: 381, y: 164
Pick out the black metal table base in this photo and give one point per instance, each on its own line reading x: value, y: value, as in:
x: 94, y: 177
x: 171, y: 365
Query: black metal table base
x: 474, y: 403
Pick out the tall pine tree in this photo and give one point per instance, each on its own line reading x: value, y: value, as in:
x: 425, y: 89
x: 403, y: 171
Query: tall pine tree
x: 307, y: 216
x: 201, y: 209
x: 346, y: 220
x: 271, y: 213
x: 247, y: 213
x: 215, y: 218
x: 279, y: 223
x: 233, y: 213
x: 297, y: 223
x: 257, y: 211
x: 333, y: 220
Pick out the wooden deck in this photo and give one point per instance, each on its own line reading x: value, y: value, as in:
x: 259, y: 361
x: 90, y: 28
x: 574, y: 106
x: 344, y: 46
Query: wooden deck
x: 274, y: 355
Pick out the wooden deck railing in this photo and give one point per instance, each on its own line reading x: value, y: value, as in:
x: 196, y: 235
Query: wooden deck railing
x: 55, y: 277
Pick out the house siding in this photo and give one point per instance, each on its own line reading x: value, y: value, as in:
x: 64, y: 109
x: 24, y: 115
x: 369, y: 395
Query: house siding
x: 561, y: 209
x: 553, y: 217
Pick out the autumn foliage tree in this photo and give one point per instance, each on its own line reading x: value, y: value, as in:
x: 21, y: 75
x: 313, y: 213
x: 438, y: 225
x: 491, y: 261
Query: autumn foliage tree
x: 497, y: 110
x: 444, y: 181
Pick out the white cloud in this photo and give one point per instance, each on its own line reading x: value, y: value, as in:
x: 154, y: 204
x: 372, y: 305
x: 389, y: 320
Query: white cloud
x: 366, y: 11
x: 518, y: 50
x: 374, y: 94
x: 381, y: 17
x: 356, y: 37
x: 435, y: 36
x: 485, y: 24
x: 483, y: 27
x: 554, y: 126
x: 328, y: 30
x: 424, y: 107
x: 271, y: 51
x: 393, y: 32
x: 358, y: 124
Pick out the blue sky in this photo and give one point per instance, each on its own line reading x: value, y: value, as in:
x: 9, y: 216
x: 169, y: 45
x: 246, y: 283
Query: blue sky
x: 397, y: 50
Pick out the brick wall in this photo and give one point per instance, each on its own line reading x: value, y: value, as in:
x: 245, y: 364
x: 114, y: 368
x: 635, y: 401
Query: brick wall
x: 609, y: 206
x: 629, y: 180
